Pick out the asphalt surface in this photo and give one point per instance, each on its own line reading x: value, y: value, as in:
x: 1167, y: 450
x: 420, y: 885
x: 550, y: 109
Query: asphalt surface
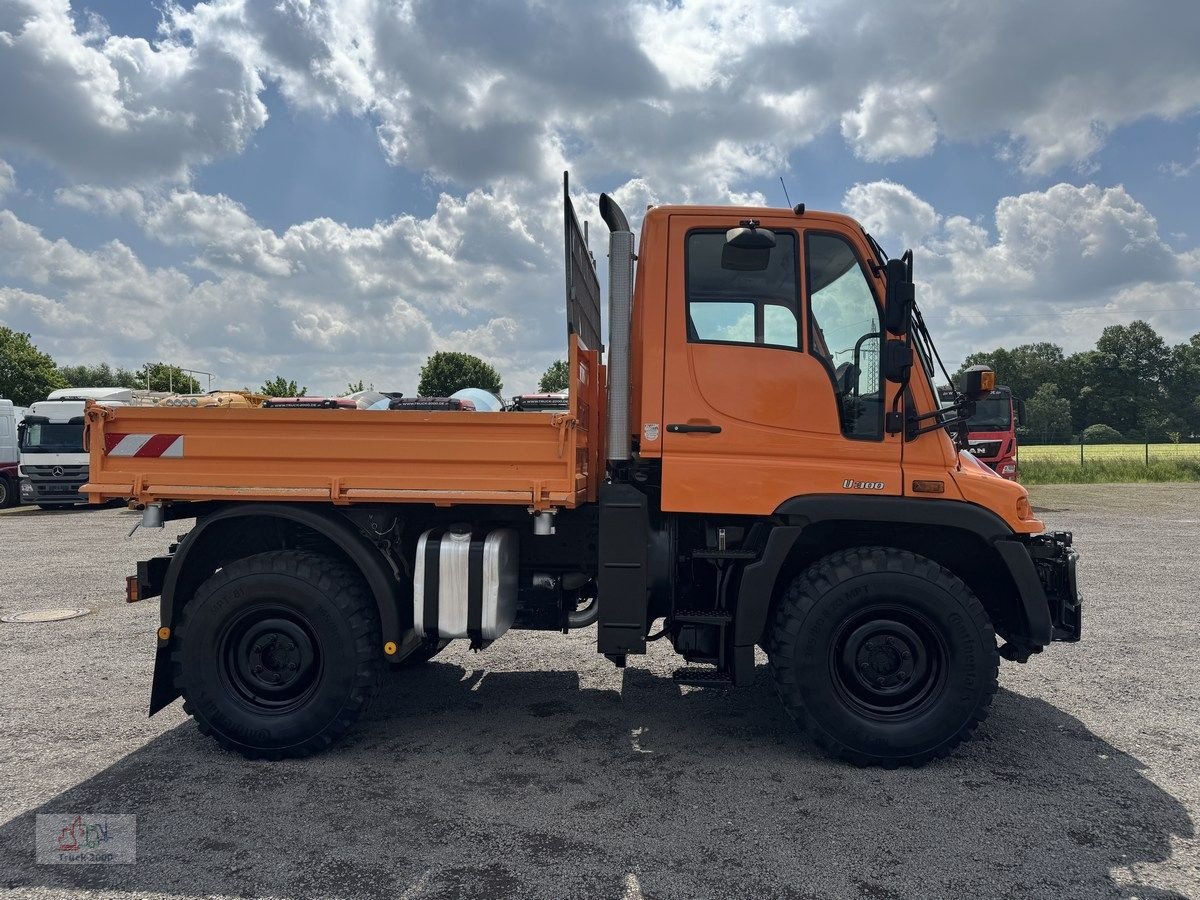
x: 536, y: 769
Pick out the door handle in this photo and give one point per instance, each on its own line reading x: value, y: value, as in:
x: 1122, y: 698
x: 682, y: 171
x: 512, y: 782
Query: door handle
x: 694, y: 429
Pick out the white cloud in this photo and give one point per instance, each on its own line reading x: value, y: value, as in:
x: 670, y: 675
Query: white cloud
x: 887, y: 208
x: 118, y: 108
x: 101, y: 200
x: 8, y: 179
x: 322, y: 301
x: 1062, y: 264
x: 890, y: 123
x: 697, y: 95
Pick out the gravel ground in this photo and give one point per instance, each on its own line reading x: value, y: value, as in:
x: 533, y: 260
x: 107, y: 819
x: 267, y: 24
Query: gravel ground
x: 536, y: 769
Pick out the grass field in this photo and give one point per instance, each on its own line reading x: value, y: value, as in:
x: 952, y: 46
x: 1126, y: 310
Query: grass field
x: 1061, y: 463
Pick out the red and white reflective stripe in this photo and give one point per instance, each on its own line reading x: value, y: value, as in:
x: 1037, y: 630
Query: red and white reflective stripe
x: 143, y: 445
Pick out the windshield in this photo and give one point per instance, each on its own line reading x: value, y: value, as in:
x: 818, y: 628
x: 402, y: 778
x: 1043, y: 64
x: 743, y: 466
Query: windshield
x: 52, y: 437
x: 992, y: 414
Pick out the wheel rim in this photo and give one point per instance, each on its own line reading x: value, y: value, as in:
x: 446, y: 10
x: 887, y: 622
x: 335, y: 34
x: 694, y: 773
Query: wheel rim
x: 270, y: 658
x: 888, y: 662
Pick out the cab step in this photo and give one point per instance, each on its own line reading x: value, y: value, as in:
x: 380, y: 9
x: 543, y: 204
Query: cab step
x: 703, y: 616
x: 705, y: 678
x: 725, y: 554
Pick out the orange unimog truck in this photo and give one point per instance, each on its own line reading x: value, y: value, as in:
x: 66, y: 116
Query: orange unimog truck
x: 756, y: 459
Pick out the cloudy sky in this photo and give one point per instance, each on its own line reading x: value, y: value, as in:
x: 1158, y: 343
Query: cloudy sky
x: 332, y: 191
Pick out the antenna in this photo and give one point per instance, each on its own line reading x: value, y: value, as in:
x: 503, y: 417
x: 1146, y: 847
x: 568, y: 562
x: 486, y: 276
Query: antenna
x: 785, y: 193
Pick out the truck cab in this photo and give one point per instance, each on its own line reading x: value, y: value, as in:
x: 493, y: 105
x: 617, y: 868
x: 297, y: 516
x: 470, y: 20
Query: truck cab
x: 53, y: 459
x: 992, y: 429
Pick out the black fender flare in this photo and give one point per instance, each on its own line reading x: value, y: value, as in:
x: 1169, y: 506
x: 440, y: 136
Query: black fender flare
x: 759, y: 578
x: 384, y: 586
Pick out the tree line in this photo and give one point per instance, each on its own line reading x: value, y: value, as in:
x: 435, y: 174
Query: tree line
x: 28, y: 374
x: 1131, y: 386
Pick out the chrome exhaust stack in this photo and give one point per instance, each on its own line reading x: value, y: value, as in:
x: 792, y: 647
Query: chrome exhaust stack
x: 620, y: 302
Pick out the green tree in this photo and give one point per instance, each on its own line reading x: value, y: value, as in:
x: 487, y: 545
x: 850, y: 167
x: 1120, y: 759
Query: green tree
x: 555, y: 378
x: 281, y: 387
x: 1047, y: 416
x: 26, y: 373
x: 1123, y: 381
x: 1183, y: 389
x: 102, y: 375
x: 446, y: 372
x: 161, y: 376
x: 1101, y: 434
x: 353, y: 388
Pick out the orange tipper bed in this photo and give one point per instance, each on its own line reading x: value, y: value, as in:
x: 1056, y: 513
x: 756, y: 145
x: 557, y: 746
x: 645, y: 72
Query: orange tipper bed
x: 347, y: 456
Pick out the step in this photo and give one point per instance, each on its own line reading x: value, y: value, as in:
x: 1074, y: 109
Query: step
x: 707, y: 678
x: 725, y: 554
x: 703, y: 616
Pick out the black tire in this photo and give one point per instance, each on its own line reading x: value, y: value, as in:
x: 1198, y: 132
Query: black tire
x: 8, y: 493
x: 884, y: 657
x: 278, y: 654
x: 425, y: 651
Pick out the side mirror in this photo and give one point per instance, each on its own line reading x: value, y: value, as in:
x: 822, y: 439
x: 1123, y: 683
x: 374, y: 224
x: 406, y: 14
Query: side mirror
x: 21, y: 428
x: 899, y: 297
x: 1020, y: 412
x: 978, y: 382
x: 747, y: 248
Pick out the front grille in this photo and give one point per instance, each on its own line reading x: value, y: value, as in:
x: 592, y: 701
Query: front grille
x: 66, y: 472
x: 985, y: 449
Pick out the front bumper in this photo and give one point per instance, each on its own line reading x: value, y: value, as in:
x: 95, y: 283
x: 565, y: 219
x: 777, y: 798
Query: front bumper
x: 1055, y: 560
x: 52, y: 491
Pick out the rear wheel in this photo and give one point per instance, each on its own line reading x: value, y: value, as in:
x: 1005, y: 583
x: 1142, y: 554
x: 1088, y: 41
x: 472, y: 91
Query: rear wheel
x: 8, y: 495
x: 278, y: 654
x: 883, y: 656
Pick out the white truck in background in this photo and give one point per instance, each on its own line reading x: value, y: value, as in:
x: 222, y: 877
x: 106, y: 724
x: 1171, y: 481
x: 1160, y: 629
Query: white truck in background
x: 10, y: 456
x: 54, y: 463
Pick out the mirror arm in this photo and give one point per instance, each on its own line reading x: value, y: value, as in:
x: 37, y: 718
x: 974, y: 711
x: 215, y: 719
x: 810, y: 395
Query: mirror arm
x: 958, y: 414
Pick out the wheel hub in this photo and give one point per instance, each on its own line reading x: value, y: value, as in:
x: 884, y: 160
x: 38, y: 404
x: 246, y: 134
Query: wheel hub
x: 887, y: 663
x: 271, y: 659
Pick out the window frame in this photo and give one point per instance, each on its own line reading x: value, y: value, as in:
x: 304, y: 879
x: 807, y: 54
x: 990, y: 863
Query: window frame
x: 759, y: 305
x: 826, y: 364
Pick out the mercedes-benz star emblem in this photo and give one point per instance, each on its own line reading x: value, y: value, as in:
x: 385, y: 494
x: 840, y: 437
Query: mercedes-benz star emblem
x: 57, y: 471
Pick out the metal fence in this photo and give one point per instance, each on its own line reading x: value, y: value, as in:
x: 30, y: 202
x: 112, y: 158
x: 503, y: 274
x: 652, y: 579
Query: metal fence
x: 1146, y: 452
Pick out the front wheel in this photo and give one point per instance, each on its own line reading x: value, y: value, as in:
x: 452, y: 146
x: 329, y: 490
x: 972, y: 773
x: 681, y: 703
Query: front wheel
x: 278, y: 654
x: 883, y: 656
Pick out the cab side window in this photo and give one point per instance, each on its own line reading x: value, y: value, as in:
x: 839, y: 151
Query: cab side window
x: 739, y: 305
x: 844, y: 332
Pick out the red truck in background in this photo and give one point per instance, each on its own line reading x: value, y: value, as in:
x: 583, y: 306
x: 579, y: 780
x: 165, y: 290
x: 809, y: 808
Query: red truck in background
x: 992, y: 430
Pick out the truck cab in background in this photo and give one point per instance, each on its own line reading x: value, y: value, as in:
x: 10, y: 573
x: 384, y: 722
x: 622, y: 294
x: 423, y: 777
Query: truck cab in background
x: 992, y: 429
x: 53, y: 460
x: 10, y: 416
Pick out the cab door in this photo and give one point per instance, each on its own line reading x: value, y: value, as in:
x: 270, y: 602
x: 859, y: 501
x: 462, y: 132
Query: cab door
x: 772, y: 382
